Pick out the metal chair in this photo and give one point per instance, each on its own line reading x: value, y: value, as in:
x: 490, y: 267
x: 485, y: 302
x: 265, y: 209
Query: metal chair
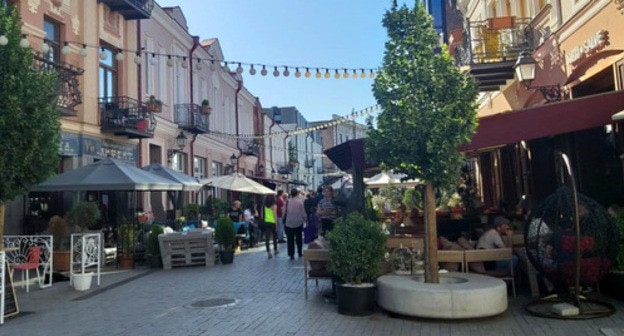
x: 32, y: 262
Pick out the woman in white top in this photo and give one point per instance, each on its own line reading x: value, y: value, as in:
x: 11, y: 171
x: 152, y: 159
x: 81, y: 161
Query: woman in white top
x: 293, y: 225
x: 249, y: 216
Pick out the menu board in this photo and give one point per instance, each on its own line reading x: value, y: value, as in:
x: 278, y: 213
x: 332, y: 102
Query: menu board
x: 10, y: 300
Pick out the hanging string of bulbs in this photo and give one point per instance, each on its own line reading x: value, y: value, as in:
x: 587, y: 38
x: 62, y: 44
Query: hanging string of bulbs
x: 278, y: 70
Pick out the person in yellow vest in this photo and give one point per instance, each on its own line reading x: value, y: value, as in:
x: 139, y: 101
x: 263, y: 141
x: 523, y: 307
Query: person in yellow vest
x: 269, y: 228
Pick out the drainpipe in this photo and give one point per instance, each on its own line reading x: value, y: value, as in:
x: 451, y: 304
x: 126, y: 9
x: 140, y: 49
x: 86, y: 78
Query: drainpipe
x: 193, y: 47
x: 139, y: 91
x: 238, y: 89
x: 271, y: 145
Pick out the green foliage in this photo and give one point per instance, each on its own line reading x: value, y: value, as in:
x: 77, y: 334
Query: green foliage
x: 153, y: 247
x: 292, y: 153
x: 357, y: 248
x: 413, y: 198
x: 429, y: 107
x: 83, y: 215
x: 57, y: 227
x: 29, y: 118
x: 127, y: 236
x: 619, y: 222
x: 220, y: 207
x: 224, y: 232
x: 391, y: 193
x: 205, y: 102
x: 191, y: 212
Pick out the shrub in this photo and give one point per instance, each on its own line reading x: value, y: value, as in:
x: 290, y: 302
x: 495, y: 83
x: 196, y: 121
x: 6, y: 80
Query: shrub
x: 357, y: 247
x: 224, y: 232
x: 83, y: 215
x: 153, y: 247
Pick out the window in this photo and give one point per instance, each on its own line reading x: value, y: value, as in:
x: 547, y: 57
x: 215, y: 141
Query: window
x: 216, y: 168
x: 199, y: 167
x: 178, y: 162
x: 53, y: 35
x: 108, y: 74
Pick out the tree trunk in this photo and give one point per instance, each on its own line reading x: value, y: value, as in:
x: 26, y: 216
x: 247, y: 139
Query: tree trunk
x: 1, y: 226
x: 431, y: 237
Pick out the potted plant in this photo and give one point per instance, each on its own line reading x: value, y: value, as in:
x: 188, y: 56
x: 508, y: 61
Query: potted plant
x: 127, y: 235
x: 191, y: 213
x: 60, y: 234
x: 357, y: 248
x: 224, y: 235
x: 153, y: 247
x: 205, y: 106
x: 84, y: 215
x: 154, y: 105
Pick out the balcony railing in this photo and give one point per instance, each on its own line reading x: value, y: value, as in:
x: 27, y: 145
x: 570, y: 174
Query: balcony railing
x: 284, y: 168
x: 126, y: 116
x: 190, y: 118
x: 309, y: 163
x: 249, y: 147
x: 67, y: 79
x: 494, y: 40
x: 131, y: 9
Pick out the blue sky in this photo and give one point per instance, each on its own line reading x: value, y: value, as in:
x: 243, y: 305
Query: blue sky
x: 316, y: 33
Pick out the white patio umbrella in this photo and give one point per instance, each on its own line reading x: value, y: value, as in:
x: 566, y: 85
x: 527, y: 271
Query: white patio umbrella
x: 385, y: 178
x: 108, y: 175
x: 237, y: 182
x: 189, y: 183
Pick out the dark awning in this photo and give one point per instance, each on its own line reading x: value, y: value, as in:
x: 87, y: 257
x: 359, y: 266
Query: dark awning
x: 348, y: 155
x: 546, y: 120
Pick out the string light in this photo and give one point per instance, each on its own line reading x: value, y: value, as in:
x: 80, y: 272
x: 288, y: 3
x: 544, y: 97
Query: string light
x: 252, y: 70
x: 286, y: 73
x: 363, y: 74
x: 307, y: 73
x: 199, y: 65
x: 337, y: 75
x: 137, y: 58
x: 263, y: 72
x: 213, y: 65
x: 327, y: 75
x: 184, y: 64
x: 239, y: 69
x: 169, y: 61
x: 103, y: 54
x: 24, y: 43
x: 154, y: 60
x: 45, y: 47
x: 345, y: 75
x: 84, y: 52
x: 65, y: 50
x: 3, y: 40
x: 297, y: 73
x: 318, y: 74
x: 276, y: 72
x: 119, y: 57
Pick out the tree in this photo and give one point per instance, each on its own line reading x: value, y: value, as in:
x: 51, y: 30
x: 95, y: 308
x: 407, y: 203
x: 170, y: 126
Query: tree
x: 29, y: 119
x: 429, y: 109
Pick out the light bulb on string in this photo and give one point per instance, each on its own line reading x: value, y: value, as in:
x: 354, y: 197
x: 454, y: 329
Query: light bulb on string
x: 119, y: 57
x: 363, y: 74
x: 24, y: 43
x: 169, y: 61
x: 345, y: 75
x: 276, y: 72
x: 213, y: 65
x: 137, y: 58
x: 318, y: 74
x: 307, y: 73
x: 354, y: 75
x: 263, y: 72
x: 336, y: 74
x: 327, y: 74
x: 286, y: 73
x: 154, y: 59
x: 184, y: 64
x: 103, y: 54
x: 3, y: 40
x: 239, y: 69
x: 226, y: 67
x: 199, y: 66
x: 297, y: 73
x: 252, y: 70
x: 84, y: 51
x: 45, y: 47
x: 65, y: 50
x: 372, y: 74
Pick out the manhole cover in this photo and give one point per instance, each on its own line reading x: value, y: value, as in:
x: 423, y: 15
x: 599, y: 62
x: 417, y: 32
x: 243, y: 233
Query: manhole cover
x: 210, y: 303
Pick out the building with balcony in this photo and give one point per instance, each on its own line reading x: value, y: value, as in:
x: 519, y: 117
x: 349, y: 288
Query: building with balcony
x: 569, y: 73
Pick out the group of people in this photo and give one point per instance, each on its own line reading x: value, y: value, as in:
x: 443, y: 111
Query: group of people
x: 291, y: 214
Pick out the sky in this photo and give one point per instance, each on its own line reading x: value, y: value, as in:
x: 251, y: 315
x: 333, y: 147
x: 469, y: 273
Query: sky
x: 316, y: 33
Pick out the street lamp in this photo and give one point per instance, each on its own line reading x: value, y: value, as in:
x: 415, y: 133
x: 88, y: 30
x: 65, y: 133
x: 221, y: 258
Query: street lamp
x: 525, y: 69
x: 233, y: 161
x: 181, y: 142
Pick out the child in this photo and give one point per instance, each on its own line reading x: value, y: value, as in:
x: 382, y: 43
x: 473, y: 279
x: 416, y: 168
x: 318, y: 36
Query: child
x: 310, y: 232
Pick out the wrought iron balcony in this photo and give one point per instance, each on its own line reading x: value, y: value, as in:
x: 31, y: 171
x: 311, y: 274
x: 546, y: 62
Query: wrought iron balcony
x: 249, y: 147
x: 190, y: 117
x: 491, y: 48
x: 284, y: 168
x: 309, y: 163
x: 125, y: 116
x: 67, y: 79
x: 131, y: 9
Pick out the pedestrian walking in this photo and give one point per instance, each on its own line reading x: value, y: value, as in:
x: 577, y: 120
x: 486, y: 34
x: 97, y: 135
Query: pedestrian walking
x: 269, y: 224
x: 280, y: 203
x: 293, y: 225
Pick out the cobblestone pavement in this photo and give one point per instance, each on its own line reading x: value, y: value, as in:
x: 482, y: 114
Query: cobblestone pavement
x: 268, y: 300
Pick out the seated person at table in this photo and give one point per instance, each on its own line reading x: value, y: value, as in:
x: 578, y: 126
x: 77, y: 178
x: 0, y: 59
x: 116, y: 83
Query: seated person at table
x: 493, y: 238
x: 236, y: 213
x: 461, y: 244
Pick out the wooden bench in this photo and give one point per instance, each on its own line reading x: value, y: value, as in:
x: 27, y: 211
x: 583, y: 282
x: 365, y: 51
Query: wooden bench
x: 498, y: 254
x: 314, y: 255
x: 186, y: 249
x: 452, y: 256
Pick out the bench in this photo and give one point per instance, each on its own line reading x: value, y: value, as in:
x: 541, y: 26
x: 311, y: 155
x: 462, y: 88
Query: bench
x: 314, y: 255
x: 498, y: 254
x: 186, y: 249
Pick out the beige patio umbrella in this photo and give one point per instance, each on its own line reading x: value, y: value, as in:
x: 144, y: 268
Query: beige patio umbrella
x: 237, y: 182
x: 386, y: 178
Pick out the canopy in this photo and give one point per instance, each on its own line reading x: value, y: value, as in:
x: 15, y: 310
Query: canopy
x: 108, y: 175
x: 188, y: 183
x: 237, y: 182
x: 385, y: 178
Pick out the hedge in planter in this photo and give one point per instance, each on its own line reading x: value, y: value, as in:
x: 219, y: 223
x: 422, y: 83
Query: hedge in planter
x: 357, y: 248
x: 224, y: 236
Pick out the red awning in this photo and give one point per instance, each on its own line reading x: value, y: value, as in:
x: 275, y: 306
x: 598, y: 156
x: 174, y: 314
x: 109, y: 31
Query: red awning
x: 546, y: 120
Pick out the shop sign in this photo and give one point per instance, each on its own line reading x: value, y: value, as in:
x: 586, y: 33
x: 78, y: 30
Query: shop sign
x: 103, y: 148
x: 593, y: 44
x: 70, y: 144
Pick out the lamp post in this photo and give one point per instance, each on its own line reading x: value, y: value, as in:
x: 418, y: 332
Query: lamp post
x: 525, y: 69
x: 234, y: 162
x: 181, y: 142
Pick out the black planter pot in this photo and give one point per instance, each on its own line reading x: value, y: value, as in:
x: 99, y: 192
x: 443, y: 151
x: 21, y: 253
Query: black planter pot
x: 355, y: 300
x: 227, y: 256
x: 613, y: 285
